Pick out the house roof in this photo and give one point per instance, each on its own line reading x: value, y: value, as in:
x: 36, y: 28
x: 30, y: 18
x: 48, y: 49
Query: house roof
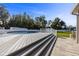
x: 76, y: 10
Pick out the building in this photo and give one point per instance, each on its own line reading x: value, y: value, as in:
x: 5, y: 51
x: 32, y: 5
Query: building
x: 76, y: 12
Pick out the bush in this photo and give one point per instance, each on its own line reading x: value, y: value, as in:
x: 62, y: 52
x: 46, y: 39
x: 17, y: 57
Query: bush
x: 63, y: 34
x: 7, y: 27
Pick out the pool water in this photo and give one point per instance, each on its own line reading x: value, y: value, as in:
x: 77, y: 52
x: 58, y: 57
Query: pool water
x: 21, y: 32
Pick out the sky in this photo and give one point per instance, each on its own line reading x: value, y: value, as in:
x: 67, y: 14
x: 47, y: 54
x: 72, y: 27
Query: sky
x: 50, y: 10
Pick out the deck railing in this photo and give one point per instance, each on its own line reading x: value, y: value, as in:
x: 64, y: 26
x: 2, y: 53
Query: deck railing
x: 49, y: 30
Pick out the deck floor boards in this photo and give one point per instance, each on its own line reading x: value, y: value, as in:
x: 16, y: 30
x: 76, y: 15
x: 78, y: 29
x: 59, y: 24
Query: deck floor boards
x: 19, y: 41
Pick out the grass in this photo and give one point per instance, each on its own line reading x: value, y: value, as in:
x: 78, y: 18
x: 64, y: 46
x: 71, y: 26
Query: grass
x: 63, y: 34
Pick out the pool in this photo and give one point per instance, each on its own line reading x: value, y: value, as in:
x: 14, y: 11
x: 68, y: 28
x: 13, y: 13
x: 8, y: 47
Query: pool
x: 21, y: 32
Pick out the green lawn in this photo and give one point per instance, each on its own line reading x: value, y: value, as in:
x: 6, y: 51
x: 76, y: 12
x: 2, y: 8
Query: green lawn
x: 63, y: 34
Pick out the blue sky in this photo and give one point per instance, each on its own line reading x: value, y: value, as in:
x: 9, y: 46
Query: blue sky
x: 51, y: 10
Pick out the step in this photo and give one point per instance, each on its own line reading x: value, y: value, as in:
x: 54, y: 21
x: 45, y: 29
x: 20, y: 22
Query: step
x: 30, y: 51
x: 51, y: 47
x: 44, y: 47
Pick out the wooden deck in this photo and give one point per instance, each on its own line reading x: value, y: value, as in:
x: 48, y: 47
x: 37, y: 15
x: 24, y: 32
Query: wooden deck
x: 66, y: 47
x: 10, y: 45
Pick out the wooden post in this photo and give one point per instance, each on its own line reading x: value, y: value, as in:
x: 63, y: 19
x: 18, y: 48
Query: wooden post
x: 77, y: 33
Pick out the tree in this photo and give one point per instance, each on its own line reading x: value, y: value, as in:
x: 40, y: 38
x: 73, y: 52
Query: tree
x: 41, y: 22
x: 4, y: 15
x: 24, y: 21
x: 11, y: 22
x: 49, y: 23
x: 37, y: 22
x: 63, y: 24
x: 71, y: 28
x: 58, y: 24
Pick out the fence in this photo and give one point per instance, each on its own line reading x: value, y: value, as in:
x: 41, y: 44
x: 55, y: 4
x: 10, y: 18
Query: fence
x: 43, y: 30
x: 49, y: 30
